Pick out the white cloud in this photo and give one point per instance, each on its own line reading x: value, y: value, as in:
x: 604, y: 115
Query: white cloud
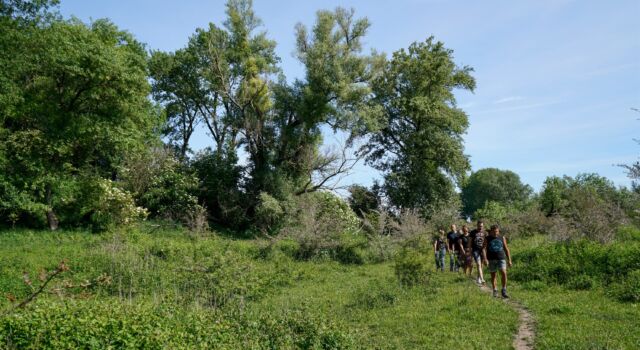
x: 508, y: 99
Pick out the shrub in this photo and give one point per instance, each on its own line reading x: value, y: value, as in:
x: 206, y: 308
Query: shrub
x: 351, y: 249
x: 581, y: 282
x: 325, y: 227
x: 269, y: 215
x: 171, y: 193
x: 107, y: 324
x: 114, y: 207
x: 411, y: 268
x: 628, y: 288
x: 580, y: 265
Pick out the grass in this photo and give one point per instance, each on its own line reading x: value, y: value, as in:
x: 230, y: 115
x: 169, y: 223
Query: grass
x: 451, y: 312
x: 569, y: 319
x: 226, y: 293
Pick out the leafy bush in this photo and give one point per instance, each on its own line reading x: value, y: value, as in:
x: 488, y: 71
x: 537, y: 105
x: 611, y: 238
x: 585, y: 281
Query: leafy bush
x: 628, y: 288
x: 107, y: 324
x: 115, y: 207
x: 270, y: 213
x: 412, y: 268
x: 351, y: 249
x: 171, y: 193
x: 581, y: 264
x: 581, y: 282
x: 219, y: 178
x: 326, y: 227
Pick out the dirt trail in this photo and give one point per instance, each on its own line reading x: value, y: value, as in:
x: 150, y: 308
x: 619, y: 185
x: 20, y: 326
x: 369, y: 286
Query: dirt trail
x: 523, y: 340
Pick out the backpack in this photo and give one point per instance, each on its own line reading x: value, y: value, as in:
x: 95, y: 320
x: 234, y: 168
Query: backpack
x: 496, y: 245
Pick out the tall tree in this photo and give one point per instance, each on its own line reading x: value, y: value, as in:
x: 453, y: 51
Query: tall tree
x: 419, y: 145
x: 495, y: 185
x: 78, y: 104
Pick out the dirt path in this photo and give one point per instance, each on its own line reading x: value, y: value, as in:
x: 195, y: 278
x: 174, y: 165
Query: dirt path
x: 523, y: 340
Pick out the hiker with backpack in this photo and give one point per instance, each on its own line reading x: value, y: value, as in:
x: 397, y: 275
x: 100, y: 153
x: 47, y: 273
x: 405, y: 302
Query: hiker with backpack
x: 464, y: 247
x: 477, y: 244
x: 452, y: 246
x: 497, y: 253
x: 440, y: 250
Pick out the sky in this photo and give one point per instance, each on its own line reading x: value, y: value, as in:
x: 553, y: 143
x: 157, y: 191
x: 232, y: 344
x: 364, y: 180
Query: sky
x: 556, y: 79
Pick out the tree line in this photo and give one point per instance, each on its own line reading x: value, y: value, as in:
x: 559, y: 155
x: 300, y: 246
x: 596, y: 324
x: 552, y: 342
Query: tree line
x: 96, y: 129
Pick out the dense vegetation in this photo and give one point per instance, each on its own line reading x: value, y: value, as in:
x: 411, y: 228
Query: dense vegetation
x: 245, y: 245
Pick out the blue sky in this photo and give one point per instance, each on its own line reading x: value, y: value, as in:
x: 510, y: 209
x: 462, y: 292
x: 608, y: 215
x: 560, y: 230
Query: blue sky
x: 556, y: 79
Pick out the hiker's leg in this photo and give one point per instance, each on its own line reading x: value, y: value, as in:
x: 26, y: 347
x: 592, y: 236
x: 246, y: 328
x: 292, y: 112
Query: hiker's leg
x: 451, y: 262
x: 503, y: 278
x: 493, y: 280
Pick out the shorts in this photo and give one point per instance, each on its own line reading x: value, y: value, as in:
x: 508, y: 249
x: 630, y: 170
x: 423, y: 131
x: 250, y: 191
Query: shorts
x: 465, y: 259
x: 495, y: 265
x: 477, y: 256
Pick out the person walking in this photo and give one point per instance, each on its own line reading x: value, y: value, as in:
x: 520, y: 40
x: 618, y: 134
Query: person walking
x: 477, y: 243
x: 440, y: 250
x: 464, y: 247
x: 499, y: 257
x: 452, y: 246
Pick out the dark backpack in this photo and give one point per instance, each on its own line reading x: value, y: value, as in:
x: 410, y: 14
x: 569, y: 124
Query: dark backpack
x: 496, y: 245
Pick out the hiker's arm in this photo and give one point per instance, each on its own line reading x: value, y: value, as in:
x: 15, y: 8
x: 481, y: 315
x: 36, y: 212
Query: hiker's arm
x: 506, y: 250
x: 435, y: 247
x: 484, y: 252
x: 461, y: 247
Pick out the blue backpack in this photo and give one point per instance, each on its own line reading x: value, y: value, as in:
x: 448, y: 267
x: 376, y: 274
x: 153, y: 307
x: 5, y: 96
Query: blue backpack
x: 496, y: 245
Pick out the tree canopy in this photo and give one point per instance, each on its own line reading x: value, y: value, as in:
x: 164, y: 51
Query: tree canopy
x: 76, y: 104
x: 418, y: 145
x: 493, y: 185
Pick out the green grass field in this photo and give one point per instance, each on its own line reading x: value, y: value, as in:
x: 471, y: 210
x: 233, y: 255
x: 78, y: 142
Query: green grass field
x: 171, y: 290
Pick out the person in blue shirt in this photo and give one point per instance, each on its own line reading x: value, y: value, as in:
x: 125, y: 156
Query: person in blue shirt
x: 496, y: 253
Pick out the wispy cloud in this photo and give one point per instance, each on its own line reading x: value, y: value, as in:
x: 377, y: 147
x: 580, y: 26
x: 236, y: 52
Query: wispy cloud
x: 508, y: 99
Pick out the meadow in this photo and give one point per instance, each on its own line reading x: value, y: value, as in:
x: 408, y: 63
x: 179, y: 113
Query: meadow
x: 167, y: 288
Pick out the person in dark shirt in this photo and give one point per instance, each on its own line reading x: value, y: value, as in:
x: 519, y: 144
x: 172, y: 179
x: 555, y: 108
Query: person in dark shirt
x: 464, y: 247
x: 440, y: 249
x: 452, y: 245
x: 477, y: 242
x: 498, y: 255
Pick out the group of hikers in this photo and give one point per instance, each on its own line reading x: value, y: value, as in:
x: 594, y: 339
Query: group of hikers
x: 466, y: 248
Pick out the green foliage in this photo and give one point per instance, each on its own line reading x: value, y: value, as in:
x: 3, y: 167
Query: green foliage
x: 269, y: 213
x: 591, y: 204
x: 412, y: 267
x: 76, y: 103
x: 493, y: 185
x: 628, y: 289
x: 113, y: 207
x: 419, y: 145
x: 26, y: 10
x: 105, y: 324
x: 363, y: 200
x: 171, y: 192
x: 491, y: 212
x: 578, y: 265
x: 376, y: 295
x: 219, y: 189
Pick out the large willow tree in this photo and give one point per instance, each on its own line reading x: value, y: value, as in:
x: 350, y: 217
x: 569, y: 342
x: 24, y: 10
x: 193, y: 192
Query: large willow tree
x: 419, y: 147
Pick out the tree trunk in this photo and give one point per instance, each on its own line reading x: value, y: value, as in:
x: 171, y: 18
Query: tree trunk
x: 52, y: 219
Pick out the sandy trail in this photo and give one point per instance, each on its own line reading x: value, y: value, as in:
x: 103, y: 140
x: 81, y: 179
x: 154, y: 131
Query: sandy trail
x: 524, y: 339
